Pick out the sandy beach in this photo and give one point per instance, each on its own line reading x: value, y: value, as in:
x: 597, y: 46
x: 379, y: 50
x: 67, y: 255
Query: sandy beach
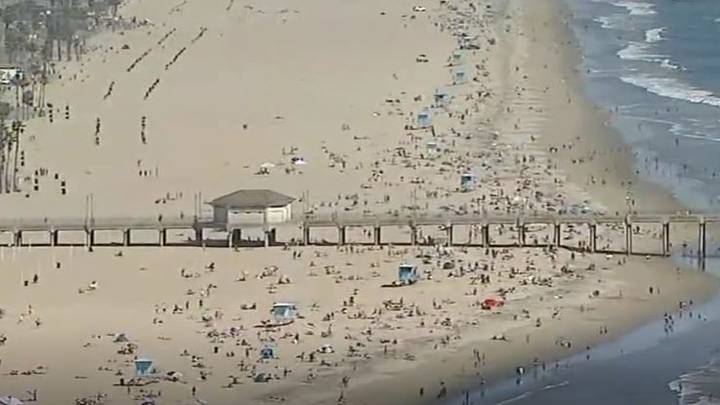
x: 211, y: 97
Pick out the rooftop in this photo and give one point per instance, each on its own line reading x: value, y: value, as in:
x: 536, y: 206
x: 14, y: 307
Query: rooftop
x: 252, y: 199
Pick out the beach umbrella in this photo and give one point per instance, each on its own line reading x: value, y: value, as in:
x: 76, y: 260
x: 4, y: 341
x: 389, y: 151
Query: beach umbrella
x: 10, y: 400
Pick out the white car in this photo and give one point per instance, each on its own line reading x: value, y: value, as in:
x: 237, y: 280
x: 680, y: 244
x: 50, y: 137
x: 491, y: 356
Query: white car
x: 419, y: 9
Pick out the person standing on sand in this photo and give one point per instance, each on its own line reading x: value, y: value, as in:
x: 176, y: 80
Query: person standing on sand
x: 443, y: 390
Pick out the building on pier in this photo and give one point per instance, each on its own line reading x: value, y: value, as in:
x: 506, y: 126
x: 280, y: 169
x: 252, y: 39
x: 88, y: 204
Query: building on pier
x: 252, y: 206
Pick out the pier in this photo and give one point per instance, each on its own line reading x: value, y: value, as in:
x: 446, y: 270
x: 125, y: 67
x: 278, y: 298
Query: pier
x: 479, y: 227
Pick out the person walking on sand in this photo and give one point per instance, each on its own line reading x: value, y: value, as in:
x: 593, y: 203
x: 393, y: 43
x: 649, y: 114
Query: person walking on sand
x: 443, y: 390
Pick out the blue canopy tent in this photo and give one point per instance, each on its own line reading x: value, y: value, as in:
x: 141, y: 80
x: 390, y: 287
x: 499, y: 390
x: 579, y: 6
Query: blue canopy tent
x: 143, y: 366
x: 10, y: 400
x: 267, y: 353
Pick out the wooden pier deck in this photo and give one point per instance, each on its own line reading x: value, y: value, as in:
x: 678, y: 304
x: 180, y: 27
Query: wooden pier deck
x: 342, y: 222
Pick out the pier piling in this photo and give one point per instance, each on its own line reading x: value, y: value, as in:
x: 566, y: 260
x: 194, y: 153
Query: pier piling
x: 305, y: 234
x: 628, y: 237
x: 127, y: 240
x: 342, y: 235
x: 702, y: 241
x: 89, y: 238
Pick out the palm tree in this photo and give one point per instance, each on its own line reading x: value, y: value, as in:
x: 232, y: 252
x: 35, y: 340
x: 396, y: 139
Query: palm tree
x: 9, y: 140
x: 19, y: 128
x: 115, y: 4
x: 4, y: 112
x: 2, y: 158
x: 16, y: 81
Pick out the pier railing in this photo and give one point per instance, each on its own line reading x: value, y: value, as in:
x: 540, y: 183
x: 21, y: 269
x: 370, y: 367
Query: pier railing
x: 412, y: 220
x: 421, y: 218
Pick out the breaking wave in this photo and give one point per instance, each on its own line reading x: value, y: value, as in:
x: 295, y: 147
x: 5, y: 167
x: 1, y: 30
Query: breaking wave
x: 637, y: 51
x: 699, y: 387
x: 607, y: 22
x: 673, y: 88
x: 654, y: 35
x: 636, y: 7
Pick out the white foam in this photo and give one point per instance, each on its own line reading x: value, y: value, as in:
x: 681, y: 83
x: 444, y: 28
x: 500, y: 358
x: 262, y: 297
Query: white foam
x: 638, y: 51
x: 636, y: 7
x: 672, y: 88
x: 605, y: 22
x: 613, y: 21
x: 689, y: 386
x: 553, y: 386
x: 654, y: 35
x: 667, y: 64
x: 515, y: 399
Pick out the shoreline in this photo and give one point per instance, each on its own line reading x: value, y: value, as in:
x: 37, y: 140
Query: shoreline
x: 533, y: 107
x: 648, y: 195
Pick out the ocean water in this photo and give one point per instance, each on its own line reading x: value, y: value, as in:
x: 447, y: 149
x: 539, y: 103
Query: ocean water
x: 653, y: 365
x: 655, y: 64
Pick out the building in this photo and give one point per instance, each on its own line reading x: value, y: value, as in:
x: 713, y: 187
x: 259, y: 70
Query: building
x: 9, y: 74
x: 252, y: 206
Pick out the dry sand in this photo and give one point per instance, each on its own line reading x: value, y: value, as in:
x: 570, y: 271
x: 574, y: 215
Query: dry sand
x: 242, y: 83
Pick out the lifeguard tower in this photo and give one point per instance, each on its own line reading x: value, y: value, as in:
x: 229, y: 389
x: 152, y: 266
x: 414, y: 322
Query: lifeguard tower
x: 459, y: 76
x: 407, y: 274
x: 441, y: 98
x: 284, y: 312
x: 457, y: 58
x: 143, y: 366
x: 424, y: 119
x: 468, y: 182
x: 432, y: 148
